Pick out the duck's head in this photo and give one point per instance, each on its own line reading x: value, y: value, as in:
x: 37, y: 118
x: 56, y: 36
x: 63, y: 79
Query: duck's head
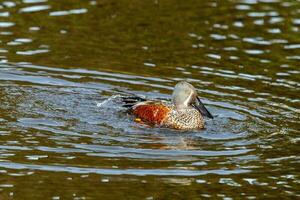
x: 185, y: 96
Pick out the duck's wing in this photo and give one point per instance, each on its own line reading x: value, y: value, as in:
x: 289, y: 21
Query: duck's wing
x: 131, y: 101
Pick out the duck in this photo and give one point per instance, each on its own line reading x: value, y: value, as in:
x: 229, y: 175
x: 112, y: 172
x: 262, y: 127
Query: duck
x: 184, y: 112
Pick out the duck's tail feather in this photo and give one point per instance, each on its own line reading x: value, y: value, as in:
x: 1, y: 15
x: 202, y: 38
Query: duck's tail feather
x: 130, y: 101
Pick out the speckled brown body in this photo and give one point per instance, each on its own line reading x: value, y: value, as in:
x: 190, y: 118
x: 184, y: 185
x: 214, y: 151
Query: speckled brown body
x: 166, y: 115
x: 184, y: 119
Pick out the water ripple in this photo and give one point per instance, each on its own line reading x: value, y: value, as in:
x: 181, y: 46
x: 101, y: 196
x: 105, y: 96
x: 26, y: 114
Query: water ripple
x: 136, y: 172
x: 36, y: 8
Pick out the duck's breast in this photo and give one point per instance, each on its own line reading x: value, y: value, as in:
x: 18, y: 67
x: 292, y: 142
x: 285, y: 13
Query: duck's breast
x: 184, y: 119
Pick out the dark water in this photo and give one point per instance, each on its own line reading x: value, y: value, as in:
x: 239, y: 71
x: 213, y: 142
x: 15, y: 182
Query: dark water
x: 64, y: 64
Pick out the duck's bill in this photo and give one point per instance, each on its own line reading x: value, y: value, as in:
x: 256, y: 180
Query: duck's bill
x: 201, y: 108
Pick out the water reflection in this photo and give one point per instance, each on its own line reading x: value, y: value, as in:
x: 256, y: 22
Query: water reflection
x: 36, y: 8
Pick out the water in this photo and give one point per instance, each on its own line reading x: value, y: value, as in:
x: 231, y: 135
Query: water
x: 64, y: 134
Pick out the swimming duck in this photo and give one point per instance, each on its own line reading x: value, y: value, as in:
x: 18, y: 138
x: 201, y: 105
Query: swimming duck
x: 184, y: 112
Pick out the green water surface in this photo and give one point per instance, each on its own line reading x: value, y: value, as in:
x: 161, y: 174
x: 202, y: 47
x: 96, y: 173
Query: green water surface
x: 64, y: 64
